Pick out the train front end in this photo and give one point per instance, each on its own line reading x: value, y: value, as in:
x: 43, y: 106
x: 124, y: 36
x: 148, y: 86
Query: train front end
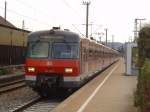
x: 52, y: 60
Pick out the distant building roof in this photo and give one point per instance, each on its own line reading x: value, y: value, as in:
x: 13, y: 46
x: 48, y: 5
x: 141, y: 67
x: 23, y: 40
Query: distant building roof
x: 5, y: 22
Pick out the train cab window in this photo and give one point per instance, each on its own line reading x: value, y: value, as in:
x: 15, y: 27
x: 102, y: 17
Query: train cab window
x: 65, y: 51
x: 38, y: 50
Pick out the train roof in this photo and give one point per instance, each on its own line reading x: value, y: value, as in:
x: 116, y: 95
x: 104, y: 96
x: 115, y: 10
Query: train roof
x: 69, y: 36
x: 96, y: 43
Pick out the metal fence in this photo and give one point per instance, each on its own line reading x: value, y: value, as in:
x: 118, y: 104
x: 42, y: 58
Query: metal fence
x: 12, y: 55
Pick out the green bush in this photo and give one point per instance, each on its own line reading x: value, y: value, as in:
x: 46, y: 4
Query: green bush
x: 142, y: 95
x: 144, y: 44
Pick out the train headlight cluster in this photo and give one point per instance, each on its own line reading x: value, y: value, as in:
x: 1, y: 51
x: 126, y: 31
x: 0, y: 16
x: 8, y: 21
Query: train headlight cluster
x: 31, y: 69
x: 68, y: 70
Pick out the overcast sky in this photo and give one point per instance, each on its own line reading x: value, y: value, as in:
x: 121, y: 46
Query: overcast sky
x: 116, y: 15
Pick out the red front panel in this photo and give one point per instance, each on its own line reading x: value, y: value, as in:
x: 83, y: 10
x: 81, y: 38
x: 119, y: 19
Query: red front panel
x: 52, y: 66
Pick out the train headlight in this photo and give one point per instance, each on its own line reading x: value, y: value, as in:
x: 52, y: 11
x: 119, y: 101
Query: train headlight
x: 31, y: 69
x: 68, y: 70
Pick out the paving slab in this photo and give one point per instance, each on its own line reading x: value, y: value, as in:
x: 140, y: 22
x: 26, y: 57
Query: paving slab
x: 111, y: 91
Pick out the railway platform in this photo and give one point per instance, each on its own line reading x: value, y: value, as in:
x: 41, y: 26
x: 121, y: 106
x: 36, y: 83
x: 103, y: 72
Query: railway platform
x: 111, y: 91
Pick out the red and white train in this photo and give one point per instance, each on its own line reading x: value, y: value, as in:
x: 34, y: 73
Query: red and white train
x: 62, y: 59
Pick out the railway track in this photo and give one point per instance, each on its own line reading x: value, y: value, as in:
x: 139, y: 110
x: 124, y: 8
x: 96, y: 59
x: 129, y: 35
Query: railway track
x: 13, y: 85
x: 37, y: 105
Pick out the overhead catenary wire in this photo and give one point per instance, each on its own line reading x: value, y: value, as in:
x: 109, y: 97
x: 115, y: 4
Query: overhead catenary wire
x: 37, y: 10
x: 99, y: 26
x: 69, y: 6
x: 33, y: 8
x: 21, y: 15
x: 77, y: 29
x: 43, y: 13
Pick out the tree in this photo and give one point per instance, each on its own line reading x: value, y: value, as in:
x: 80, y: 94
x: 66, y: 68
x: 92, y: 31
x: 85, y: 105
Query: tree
x: 144, y: 44
x: 143, y: 87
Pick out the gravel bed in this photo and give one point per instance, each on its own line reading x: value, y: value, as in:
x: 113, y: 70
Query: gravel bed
x: 12, y: 99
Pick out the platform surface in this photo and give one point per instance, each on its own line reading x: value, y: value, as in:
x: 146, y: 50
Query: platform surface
x: 111, y: 91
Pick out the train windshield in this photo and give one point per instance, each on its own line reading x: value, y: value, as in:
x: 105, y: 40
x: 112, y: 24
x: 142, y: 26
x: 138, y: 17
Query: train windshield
x: 65, y: 51
x: 38, y: 50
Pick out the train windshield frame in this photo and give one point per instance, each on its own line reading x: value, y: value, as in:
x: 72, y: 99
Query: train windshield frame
x: 65, y: 50
x: 56, y: 50
x: 38, y: 49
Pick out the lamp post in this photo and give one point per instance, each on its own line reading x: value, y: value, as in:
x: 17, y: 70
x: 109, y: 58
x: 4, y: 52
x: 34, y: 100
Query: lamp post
x: 136, y: 27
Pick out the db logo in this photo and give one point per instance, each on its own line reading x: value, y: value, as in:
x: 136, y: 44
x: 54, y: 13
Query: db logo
x: 49, y: 63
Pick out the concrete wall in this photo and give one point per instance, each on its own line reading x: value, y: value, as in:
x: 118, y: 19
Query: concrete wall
x: 13, y: 42
x: 12, y: 37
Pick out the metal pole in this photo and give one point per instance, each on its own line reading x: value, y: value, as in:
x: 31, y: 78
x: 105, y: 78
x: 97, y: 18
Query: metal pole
x: 5, y: 10
x: 136, y: 28
x: 135, y: 32
x: 23, y: 25
x: 87, y: 16
x: 11, y: 49
x: 100, y: 38
x: 91, y: 28
x: 106, y: 36
x: 141, y: 23
x: 112, y: 44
